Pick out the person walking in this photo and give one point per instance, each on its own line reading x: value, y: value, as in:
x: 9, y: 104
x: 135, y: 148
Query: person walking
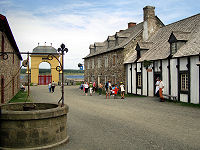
x: 94, y: 87
x: 86, y: 86
x: 91, y: 87
x: 122, y: 88
x: 53, y: 85
x: 108, y: 89
x: 100, y: 88
x: 157, y: 86
x: 49, y: 86
x: 115, y: 91
x: 161, y: 87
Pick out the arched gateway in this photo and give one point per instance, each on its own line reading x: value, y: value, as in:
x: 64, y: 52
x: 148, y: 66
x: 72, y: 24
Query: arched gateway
x: 41, y: 55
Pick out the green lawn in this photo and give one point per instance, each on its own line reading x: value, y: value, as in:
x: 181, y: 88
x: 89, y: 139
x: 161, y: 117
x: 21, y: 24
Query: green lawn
x: 21, y: 96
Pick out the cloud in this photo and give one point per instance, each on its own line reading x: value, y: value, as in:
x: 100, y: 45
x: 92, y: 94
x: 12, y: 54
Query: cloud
x: 79, y: 23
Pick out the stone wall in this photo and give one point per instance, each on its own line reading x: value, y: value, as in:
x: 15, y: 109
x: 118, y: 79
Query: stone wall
x: 9, y: 71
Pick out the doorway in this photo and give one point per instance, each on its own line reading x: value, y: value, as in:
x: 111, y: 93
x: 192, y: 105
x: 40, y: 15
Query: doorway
x: 156, y: 75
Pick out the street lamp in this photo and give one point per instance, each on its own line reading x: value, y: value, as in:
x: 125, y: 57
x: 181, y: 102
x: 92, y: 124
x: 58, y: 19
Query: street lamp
x: 62, y: 49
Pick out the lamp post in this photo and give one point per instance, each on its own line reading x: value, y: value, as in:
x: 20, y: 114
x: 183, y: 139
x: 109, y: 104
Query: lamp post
x: 62, y: 49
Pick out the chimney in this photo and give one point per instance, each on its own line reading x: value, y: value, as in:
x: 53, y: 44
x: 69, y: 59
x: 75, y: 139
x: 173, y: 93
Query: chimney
x: 131, y: 24
x: 149, y: 12
x: 150, y: 24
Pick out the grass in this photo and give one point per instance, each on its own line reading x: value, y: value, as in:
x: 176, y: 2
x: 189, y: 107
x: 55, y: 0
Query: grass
x: 21, y: 96
x: 183, y: 103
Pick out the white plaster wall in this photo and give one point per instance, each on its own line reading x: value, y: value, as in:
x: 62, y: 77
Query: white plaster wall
x: 184, y: 98
x: 139, y: 91
x: 165, y: 76
x: 138, y: 67
x: 174, y: 78
x: 183, y: 63
x: 151, y: 90
x: 144, y: 81
x: 129, y: 78
x: 134, y: 78
x: 157, y: 65
x: 194, y: 73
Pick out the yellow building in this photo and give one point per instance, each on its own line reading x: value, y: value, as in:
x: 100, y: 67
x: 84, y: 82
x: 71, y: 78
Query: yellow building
x: 36, y: 59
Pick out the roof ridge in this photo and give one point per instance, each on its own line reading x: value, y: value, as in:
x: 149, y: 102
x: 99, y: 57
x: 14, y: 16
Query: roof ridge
x: 182, y: 19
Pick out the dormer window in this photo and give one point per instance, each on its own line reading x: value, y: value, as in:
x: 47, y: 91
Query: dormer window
x: 177, y: 39
x: 173, y: 48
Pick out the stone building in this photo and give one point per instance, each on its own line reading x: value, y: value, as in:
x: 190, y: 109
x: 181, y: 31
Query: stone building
x: 106, y: 59
x: 172, y: 54
x: 9, y: 64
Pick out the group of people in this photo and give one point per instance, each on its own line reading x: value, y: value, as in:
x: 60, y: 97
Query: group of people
x: 91, y: 87
x: 51, y: 86
x: 114, y: 90
x: 109, y: 88
x: 159, y: 89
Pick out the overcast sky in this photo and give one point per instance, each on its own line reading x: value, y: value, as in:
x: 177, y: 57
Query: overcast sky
x: 79, y: 23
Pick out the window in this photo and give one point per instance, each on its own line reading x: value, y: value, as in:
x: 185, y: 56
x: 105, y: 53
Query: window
x: 173, y: 48
x: 114, y: 60
x: 99, y: 63
x: 106, y: 62
x: 92, y: 63
x: 139, y: 80
x: 2, y: 43
x: 88, y: 65
x: 184, y: 82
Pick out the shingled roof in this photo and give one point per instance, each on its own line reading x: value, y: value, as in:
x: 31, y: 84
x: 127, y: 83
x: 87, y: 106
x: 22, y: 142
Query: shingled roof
x: 187, y: 29
x: 127, y: 34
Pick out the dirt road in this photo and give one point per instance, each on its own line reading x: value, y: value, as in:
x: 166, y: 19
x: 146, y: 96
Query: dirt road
x: 136, y: 123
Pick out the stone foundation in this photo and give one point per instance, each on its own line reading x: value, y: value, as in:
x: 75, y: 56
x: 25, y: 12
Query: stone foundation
x: 43, y: 127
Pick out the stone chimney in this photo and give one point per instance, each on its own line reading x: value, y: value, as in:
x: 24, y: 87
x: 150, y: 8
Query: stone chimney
x: 131, y: 24
x: 149, y: 12
x: 150, y: 24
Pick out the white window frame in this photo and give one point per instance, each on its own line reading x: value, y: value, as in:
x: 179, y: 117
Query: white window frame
x: 92, y: 63
x: 99, y: 63
x: 184, y: 82
x: 106, y: 61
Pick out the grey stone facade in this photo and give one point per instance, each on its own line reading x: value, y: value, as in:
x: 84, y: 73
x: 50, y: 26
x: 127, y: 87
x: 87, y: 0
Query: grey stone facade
x: 9, y: 68
x: 107, y: 59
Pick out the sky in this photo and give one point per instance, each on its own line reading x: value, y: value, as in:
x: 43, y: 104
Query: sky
x: 79, y: 23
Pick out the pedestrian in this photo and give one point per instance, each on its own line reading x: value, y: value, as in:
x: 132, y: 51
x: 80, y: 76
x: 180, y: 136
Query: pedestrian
x: 161, y: 87
x: 108, y: 89
x: 86, y: 86
x: 115, y: 91
x: 157, y: 86
x: 91, y: 87
x: 53, y: 85
x: 49, y: 86
x: 122, y: 90
x: 100, y: 88
x: 94, y: 87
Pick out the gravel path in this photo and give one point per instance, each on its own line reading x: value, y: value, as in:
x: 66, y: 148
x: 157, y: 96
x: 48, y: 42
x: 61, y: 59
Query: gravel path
x: 136, y: 123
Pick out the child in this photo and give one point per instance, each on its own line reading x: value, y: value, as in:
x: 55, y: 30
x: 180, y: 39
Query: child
x: 115, y: 91
x: 122, y: 90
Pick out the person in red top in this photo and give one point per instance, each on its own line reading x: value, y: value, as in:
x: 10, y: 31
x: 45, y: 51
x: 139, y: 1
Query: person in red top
x: 115, y: 91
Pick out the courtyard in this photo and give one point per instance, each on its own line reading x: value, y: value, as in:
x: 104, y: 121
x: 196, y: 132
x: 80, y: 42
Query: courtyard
x: 96, y: 123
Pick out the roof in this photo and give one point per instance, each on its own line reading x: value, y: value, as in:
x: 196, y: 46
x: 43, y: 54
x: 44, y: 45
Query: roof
x: 8, y: 32
x: 127, y: 34
x: 187, y: 29
x: 44, y: 49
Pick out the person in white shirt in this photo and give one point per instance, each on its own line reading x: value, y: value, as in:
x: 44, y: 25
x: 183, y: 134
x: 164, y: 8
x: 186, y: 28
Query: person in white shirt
x: 122, y: 90
x: 86, y: 86
x: 157, y: 87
